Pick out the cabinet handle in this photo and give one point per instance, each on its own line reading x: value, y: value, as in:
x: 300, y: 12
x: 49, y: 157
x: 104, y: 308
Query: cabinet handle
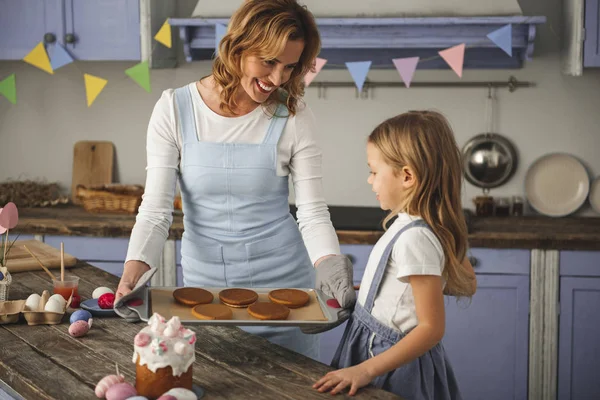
x: 473, y: 261
x: 351, y: 258
x: 69, y: 38
x: 49, y: 37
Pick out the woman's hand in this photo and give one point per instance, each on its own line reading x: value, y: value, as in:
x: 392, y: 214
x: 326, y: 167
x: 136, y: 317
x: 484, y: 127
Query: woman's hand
x: 132, y: 272
x: 334, y: 278
x: 355, y: 377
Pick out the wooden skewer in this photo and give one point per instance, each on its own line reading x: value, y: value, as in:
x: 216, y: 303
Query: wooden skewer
x: 39, y: 262
x: 62, y: 261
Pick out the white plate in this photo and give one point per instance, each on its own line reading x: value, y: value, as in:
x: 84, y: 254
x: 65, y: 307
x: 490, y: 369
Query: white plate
x: 595, y: 195
x: 557, y: 184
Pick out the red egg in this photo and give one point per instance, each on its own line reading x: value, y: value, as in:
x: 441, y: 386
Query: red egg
x: 106, y: 301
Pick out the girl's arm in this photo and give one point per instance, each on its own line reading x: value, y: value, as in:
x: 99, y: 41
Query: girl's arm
x: 429, y: 303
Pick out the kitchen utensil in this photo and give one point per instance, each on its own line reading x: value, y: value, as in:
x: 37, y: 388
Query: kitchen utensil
x: 595, y: 195
x: 19, y: 259
x: 92, y: 165
x: 557, y: 184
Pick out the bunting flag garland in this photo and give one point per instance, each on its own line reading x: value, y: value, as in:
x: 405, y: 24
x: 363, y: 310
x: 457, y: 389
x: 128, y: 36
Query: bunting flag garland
x: 359, y: 71
x: 220, y: 31
x: 319, y: 64
x: 163, y: 35
x: 140, y: 73
x: 59, y: 57
x: 502, y: 38
x: 39, y: 58
x: 454, y: 57
x: 406, y: 68
x: 93, y: 87
x: 8, y: 88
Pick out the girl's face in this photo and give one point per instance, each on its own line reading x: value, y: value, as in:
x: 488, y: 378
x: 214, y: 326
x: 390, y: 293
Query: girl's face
x: 262, y: 77
x: 389, y: 185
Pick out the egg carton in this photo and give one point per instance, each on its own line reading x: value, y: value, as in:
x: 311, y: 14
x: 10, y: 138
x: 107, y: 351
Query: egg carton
x: 40, y: 316
x: 10, y: 310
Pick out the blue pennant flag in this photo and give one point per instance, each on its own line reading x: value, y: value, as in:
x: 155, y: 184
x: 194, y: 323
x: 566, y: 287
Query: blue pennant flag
x: 359, y: 71
x: 502, y: 38
x: 59, y: 57
x: 220, y: 31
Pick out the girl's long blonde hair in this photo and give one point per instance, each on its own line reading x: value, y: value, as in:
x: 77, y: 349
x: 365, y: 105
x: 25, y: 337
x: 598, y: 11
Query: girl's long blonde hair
x: 424, y: 141
x: 262, y: 28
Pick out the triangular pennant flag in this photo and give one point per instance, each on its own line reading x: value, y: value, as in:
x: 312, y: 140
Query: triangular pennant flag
x: 141, y: 74
x: 8, y: 88
x: 502, y: 38
x: 93, y: 87
x: 454, y: 57
x: 359, y: 71
x: 406, y: 68
x: 59, y: 57
x: 39, y: 58
x: 319, y: 63
x: 220, y: 31
x: 164, y: 34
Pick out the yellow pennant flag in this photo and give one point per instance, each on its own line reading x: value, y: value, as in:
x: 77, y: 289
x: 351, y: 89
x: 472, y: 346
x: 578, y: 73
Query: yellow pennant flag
x: 93, y: 87
x: 164, y: 34
x: 39, y: 58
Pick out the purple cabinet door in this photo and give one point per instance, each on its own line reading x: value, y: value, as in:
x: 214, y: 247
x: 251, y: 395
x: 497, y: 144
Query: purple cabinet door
x: 23, y: 24
x: 487, y: 340
x: 591, y: 45
x: 103, y: 29
x: 579, y: 343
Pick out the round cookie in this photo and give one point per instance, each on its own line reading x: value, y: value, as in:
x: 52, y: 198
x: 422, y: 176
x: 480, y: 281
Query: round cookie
x: 212, y: 311
x: 291, y: 298
x: 191, y: 296
x: 268, y: 311
x: 238, y: 297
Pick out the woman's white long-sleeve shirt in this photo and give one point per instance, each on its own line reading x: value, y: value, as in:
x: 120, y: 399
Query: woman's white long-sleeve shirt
x: 297, y: 155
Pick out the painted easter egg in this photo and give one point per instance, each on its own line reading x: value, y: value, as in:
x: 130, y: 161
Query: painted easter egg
x: 79, y: 328
x: 55, y: 306
x: 106, y: 301
x: 120, y: 391
x: 1, y: 276
x: 105, y: 383
x: 32, y: 302
x: 99, y: 291
x: 181, y: 394
x: 167, y: 397
x: 80, y: 315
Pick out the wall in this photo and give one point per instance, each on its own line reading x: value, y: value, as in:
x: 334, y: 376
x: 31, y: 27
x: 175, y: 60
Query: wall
x: 559, y: 114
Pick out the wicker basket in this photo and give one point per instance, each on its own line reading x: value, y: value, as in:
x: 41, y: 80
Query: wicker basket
x: 112, y: 198
x: 4, y: 286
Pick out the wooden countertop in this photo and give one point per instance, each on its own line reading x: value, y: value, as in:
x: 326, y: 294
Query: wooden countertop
x: 45, y: 362
x: 354, y: 225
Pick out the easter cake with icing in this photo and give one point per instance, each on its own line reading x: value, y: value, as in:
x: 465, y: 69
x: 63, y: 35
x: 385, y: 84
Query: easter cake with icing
x: 164, y: 355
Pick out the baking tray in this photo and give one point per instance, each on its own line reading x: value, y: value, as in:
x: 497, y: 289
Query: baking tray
x: 143, y: 306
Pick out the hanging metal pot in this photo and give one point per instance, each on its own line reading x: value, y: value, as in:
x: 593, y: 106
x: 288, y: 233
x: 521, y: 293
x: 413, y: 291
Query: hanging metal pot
x: 489, y: 160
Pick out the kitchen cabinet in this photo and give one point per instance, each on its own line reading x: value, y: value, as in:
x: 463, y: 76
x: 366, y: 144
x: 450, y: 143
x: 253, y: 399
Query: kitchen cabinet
x: 591, y: 44
x: 579, y: 325
x: 89, y: 30
x: 487, y: 337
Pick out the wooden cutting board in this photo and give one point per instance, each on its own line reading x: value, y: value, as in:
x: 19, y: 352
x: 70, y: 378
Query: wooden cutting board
x: 92, y: 165
x: 19, y: 260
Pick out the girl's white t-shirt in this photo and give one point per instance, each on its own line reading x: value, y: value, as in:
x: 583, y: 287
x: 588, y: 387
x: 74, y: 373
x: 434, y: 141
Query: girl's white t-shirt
x: 416, y: 252
x: 298, y: 155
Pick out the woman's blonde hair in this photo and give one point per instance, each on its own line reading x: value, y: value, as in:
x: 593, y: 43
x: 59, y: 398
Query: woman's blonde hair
x: 262, y: 28
x: 424, y: 141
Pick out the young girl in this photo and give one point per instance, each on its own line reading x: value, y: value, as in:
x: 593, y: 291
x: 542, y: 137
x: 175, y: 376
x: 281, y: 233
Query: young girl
x: 393, y: 338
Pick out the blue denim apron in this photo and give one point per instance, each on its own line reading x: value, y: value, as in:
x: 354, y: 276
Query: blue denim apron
x: 428, y: 377
x: 238, y: 228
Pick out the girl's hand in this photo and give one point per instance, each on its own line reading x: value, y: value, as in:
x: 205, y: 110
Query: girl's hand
x: 355, y: 377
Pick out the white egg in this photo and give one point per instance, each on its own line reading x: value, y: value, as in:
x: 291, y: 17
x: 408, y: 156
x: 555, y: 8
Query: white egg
x: 99, y: 291
x: 58, y: 298
x: 53, y: 305
x: 32, y: 302
x: 182, y: 394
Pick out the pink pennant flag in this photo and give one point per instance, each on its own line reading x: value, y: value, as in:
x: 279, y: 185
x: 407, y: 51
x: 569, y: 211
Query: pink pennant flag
x: 454, y: 57
x: 406, y: 68
x: 319, y: 63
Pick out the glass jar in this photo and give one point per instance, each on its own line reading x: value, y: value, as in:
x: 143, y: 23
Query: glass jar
x: 517, y: 207
x: 484, y: 206
x: 502, y: 207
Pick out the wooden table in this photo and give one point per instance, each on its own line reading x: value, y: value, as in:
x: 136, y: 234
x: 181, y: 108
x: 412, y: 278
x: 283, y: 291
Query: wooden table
x: 44, y: 362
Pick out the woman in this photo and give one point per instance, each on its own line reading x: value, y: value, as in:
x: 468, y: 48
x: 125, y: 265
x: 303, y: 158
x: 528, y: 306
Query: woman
x: 232, y: 139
